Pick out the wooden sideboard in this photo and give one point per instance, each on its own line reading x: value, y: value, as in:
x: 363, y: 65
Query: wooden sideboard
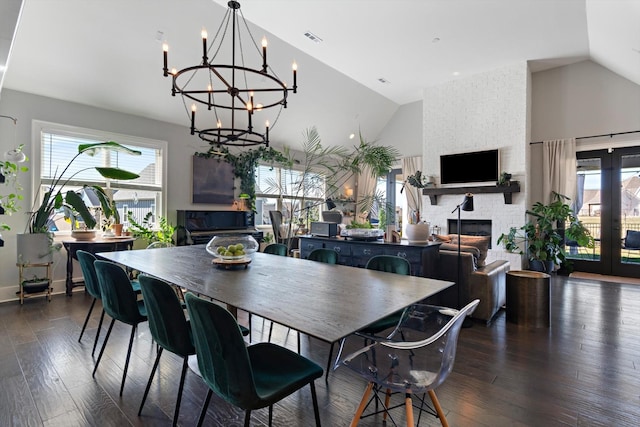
x: 93, y: 246
x: 423, y: 257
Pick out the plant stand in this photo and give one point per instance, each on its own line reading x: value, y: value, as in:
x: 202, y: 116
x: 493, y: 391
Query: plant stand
x: 41, y: 286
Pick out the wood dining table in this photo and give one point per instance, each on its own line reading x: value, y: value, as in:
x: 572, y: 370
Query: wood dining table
x: 328, y: 302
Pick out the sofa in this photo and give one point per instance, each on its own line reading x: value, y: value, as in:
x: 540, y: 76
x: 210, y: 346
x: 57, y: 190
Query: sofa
x: 484, y: 281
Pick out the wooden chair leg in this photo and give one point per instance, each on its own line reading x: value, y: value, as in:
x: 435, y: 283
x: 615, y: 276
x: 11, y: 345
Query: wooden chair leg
x: 362, y: 406
x: 438, y: 408
x: 387, y: 398
x: 408, y: 403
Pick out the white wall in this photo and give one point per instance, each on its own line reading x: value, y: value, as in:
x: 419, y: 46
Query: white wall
x: 484, y: 111
x: 581, y: 99
x: 404, y: 130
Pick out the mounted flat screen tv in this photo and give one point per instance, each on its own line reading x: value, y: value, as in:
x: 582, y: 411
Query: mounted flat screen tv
x: 478, y: 166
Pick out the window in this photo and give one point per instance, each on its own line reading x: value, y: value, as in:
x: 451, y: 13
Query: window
x: 296, y: 194
x: 58, y: 144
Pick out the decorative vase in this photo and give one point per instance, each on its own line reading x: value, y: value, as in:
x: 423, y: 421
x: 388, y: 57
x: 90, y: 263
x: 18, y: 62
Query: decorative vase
x: 34, y: 248
x: 418, y: 233
x: 541, y: 266
x: 117, y: 229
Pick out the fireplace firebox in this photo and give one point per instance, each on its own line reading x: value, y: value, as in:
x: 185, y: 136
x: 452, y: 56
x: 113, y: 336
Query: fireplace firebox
x: 471, y: 227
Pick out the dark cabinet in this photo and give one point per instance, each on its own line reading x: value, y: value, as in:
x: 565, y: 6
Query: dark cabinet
x: 422, y: 257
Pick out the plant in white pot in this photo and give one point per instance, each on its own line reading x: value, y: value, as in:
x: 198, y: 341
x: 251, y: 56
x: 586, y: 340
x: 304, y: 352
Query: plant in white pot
x: 36, y: 245
x: 417, y: 230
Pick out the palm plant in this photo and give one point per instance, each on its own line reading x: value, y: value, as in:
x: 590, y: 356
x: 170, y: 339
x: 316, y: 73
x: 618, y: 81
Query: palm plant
x: 321, y: 172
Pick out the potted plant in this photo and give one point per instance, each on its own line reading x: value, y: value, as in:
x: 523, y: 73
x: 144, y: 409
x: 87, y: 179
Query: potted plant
x: 163, y: 235
x: 417, y: 230
x: 35, y: 246
x: 542, y: 238
x: 9, y: 170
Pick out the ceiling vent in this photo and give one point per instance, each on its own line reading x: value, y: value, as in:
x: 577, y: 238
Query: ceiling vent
x: 312, y: 37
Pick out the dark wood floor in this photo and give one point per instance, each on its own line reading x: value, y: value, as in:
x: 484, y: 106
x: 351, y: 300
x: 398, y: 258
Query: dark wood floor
x: 580, y: 372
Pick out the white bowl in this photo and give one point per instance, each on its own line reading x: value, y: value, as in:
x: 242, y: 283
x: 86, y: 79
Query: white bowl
x: 83, y: 234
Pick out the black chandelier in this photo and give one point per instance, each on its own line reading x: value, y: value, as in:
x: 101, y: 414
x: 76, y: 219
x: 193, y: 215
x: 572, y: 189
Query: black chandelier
x: 241, y: 90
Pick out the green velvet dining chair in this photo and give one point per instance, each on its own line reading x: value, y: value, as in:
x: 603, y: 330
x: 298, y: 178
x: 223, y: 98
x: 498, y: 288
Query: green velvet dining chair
x: 281, y: 250
x: 388, y: 264
x: 86, y: 260
x: 276, y: 249
x: 326, y: 255
x: 250, y: 377
x: 169, y: 329
x: 119, y: 301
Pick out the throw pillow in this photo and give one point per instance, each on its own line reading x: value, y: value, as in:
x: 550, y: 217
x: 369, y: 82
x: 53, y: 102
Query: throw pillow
x: 442, y: 238
x: 480, y: 242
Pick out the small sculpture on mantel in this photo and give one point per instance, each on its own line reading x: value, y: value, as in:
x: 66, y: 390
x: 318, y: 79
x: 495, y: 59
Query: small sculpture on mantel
x: 505, y: 180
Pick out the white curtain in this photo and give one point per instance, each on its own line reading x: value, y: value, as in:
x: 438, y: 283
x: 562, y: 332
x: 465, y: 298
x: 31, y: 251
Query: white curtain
x: 366, y: 190
x: 559, y: 167
x: 410, y: 165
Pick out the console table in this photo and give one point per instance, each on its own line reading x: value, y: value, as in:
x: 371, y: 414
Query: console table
x: 93, y: 246
x: 423, y: 257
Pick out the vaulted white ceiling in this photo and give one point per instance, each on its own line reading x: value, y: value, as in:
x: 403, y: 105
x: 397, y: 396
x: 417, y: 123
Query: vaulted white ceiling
x: 108, y: 53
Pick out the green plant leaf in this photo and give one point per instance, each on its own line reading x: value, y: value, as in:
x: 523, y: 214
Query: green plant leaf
x: 116, y: 173
x: 92, y: 149
x: 74, y: 200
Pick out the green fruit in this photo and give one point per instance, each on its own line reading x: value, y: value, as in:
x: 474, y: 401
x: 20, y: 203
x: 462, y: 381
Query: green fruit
x: 221, y: 249
x: 228, y: 253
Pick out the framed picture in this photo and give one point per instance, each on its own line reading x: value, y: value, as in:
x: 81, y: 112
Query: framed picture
x: 212, y: 182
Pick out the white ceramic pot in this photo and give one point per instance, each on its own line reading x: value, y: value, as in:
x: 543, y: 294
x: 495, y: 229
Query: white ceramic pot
x: 34, y: 248
x: 417, y: 232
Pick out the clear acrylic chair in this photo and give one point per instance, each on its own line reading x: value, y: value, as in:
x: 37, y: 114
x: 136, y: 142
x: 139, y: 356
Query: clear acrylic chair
x: 414, y: 365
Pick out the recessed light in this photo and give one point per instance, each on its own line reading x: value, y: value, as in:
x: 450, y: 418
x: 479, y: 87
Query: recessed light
x: 456, y: 73
x: 351, y: 136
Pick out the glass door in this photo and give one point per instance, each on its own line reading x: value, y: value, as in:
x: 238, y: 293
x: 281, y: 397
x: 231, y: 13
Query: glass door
x: 608, y: 203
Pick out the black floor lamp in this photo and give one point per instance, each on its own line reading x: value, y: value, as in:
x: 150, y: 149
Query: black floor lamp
x: 466, y: 205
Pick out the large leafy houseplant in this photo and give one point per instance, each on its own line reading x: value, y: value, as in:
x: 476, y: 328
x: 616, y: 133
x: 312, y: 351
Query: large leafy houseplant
x: 55, y: 198
x: 543, y: 237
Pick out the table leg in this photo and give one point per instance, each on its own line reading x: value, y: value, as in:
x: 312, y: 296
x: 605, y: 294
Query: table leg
x: 69, y: 282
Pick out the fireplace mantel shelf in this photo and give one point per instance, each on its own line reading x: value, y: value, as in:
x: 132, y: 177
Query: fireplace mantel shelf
x: 506, y: 190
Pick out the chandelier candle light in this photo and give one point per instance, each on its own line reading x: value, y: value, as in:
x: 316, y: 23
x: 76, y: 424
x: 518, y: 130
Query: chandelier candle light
x: 230, y: 88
